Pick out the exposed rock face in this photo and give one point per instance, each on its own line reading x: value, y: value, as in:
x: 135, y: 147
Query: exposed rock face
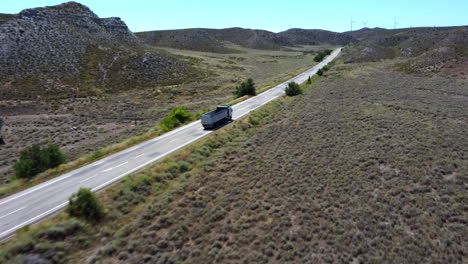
x: 52, y: 48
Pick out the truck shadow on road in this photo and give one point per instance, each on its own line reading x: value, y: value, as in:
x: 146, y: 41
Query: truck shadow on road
x: 218, y: 126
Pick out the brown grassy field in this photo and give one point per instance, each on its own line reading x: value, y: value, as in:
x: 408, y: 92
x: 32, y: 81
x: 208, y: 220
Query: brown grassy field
x: 368, y: 166
x: 111, y: 118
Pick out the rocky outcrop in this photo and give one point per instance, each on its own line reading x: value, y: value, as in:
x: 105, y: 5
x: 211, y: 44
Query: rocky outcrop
x: 64, y: 47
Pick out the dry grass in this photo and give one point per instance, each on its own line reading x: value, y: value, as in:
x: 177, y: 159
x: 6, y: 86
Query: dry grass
x: 362, y: 170
x: 108, y: 124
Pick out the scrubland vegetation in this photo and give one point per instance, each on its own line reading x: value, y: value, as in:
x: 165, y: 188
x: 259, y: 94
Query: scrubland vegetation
x: 364, y: 167
x: 106, y: 124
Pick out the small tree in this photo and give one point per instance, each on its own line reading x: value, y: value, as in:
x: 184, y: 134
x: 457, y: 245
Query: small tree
x: 309, y: 81
x: 293, y: 89
x: 178, y: 115
x: 84, y: 204
x: 246, y: 88
x: 54, y: 156
x: 320, y: 72
x: 181, y: 114
x: 35, y: 159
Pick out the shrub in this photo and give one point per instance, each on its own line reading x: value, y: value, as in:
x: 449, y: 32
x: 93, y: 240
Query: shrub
x: 309, y: 81
x: 293, y: 89
x: 246, y: 88
x: 322, y: 55
x: 178, y: 116
x: 320, y: 72
x: 35, y: 159
x: 84, y: 204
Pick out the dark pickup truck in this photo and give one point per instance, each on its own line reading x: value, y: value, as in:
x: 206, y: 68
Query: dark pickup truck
x: 223, y: 113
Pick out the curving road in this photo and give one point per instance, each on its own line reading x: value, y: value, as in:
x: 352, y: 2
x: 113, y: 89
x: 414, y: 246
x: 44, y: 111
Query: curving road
x: 38, y: 202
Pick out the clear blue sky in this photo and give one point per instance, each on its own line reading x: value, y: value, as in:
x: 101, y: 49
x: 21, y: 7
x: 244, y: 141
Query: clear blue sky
x: 273, y: 15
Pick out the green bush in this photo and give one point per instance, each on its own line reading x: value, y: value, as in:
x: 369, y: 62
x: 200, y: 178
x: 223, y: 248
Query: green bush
x: 293, y: 89
x: 36, y: 159
x: 309, y: 81
x: 322, y: 55
x: 319, y: 57
x: 246, y: 88
x: 178, y: 116
x: 320, y: 72
x: 84, y: 204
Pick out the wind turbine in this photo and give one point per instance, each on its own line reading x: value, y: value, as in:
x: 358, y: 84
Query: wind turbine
x: 395, y: 23
x: 352, y: 22
x: 364, y: 23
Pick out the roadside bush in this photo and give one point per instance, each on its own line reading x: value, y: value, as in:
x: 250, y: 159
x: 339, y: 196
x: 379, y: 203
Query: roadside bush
x: 36, y: 159
x: 320, y: 72
x: 319, y: 57
x: 246, y: 88
x: 322, y: 55
x: 293, y: 89
x: 178, y: 116
x: 309, y: 81
x: 85, y: 205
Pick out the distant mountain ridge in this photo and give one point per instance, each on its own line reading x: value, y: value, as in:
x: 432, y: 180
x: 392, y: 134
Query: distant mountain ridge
x: 67, y: 50
x: 204, y: 39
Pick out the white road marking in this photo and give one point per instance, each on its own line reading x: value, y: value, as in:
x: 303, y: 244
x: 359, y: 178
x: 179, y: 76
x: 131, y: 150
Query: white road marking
x: 138, y: 156
x: 34, y: 219
x: 121, y: 165
x: 13, y: 212
x: 88, y: 178
x: 172, y: 140
x: 34, y: 189
x: 146, y: 163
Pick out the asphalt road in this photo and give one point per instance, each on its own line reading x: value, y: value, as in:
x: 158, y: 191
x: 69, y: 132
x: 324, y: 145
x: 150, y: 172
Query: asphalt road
x: 38, y: 202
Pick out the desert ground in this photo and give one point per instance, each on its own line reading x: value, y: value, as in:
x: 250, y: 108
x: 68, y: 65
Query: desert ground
x: 368, y: 166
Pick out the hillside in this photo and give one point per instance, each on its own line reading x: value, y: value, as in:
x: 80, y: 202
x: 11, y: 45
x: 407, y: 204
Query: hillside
x: 299, y: 36
x: 214, y: 40
x: 67, y: 50
x: 431, y: 49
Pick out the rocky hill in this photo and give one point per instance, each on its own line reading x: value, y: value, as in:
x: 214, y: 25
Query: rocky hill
x: 68, y: 50
x: 428, y: 46
x: 214, y: 39
x: 299, y: 36
x: 191, y: 39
